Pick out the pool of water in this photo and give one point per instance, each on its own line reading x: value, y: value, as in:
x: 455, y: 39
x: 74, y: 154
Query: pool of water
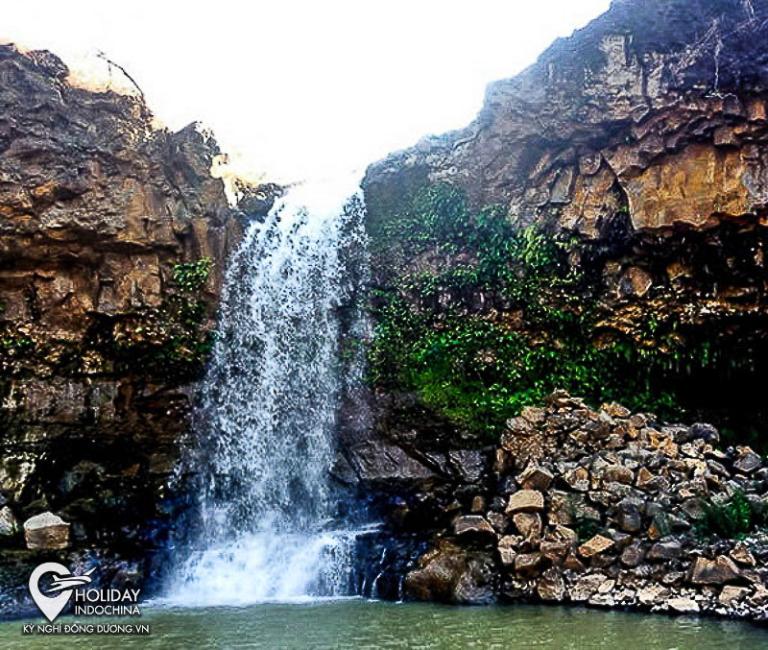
x: 360, y: 624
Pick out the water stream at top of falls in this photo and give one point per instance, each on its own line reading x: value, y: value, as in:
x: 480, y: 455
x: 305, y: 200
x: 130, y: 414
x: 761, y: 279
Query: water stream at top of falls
x: 267, y: 418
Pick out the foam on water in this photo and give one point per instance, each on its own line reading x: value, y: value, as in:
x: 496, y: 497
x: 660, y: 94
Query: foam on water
x: 267, y: 420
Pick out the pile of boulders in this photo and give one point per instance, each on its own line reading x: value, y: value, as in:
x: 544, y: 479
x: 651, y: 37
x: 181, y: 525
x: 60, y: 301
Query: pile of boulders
x: 604, y: 508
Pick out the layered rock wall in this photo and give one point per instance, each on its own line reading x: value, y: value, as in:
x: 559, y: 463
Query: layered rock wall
x: 641, y: 140
x: 104, y: 323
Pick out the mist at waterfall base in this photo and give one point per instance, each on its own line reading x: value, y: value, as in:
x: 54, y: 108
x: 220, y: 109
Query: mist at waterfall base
x: 267, y: 416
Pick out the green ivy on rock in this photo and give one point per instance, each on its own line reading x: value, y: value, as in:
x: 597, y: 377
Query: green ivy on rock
x: 480, y: 318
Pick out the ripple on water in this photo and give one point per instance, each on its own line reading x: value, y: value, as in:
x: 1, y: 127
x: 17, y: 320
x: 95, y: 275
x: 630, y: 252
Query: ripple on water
x: 359, y: 624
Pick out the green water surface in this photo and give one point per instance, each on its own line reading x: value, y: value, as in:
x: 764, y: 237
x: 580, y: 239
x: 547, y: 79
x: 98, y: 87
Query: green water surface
x: 363, y: 624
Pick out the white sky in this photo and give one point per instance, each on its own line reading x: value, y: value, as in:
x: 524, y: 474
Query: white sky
x: 300, y: 88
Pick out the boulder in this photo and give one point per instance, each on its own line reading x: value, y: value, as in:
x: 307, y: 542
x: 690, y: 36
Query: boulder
x: 551, y: 586
x: 632, y: 556
x: 594, y: 546
x: 469, y: 464
x: 665, y: 550
x: 46, y: 532
x: 507, y: 549
x: 618, y: 474
x: 527, y: 564
x: 554, y: 551
x: 528, y: 524
x: 740, y: 553
x: 683, y: 605
x: 525, y: 501
x: 748, y: 461
x: 713, y: 572
x: 478, y: 504
x: 705, y: 432
x: 450, y: 574
x: 577, y: 479
x: 473, y: 525
x: 652, y: 595
x: 587, y: 586
x: 629, y: 517
x: 535, y: 478
x: 731, y: 594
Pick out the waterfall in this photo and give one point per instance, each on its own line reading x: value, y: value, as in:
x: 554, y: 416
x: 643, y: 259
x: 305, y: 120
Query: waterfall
x: 267, y: 419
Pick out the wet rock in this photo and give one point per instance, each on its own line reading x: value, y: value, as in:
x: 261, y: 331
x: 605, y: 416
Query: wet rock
x: 47, y: 532
x: 450, y: 574
x: 9, y: 526
x: 683, y: 605
x: 551, y: 586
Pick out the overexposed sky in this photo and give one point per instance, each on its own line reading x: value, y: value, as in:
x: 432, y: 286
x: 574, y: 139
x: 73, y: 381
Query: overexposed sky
x: 305, y: 88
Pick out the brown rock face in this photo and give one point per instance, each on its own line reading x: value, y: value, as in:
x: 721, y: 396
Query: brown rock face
x: 646, y: 104
x: 642, y: 139
x: 96, y: 210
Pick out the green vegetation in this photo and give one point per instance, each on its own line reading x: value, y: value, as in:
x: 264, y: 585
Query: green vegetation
x: 169, y: 341
x: 494, y: 319
x: 13, y: 344
x: 732, y: 519
x: 192, y: 276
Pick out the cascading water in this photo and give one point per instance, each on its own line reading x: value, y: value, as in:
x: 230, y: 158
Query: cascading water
x: 269, y: 405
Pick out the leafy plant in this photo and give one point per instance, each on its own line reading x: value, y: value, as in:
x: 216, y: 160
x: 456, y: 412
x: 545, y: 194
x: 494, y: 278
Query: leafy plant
x: 171, y: 340
x: 732, y: 519
x: 476, y: 366
x: 192, y: 276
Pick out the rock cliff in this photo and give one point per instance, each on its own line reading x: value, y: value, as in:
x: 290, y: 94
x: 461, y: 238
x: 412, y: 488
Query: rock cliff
x: 599, y: 228
x: 635, y: 151
x: 113, y: 237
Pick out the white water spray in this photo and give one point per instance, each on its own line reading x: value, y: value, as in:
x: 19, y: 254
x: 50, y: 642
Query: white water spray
x: 268, y: 413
